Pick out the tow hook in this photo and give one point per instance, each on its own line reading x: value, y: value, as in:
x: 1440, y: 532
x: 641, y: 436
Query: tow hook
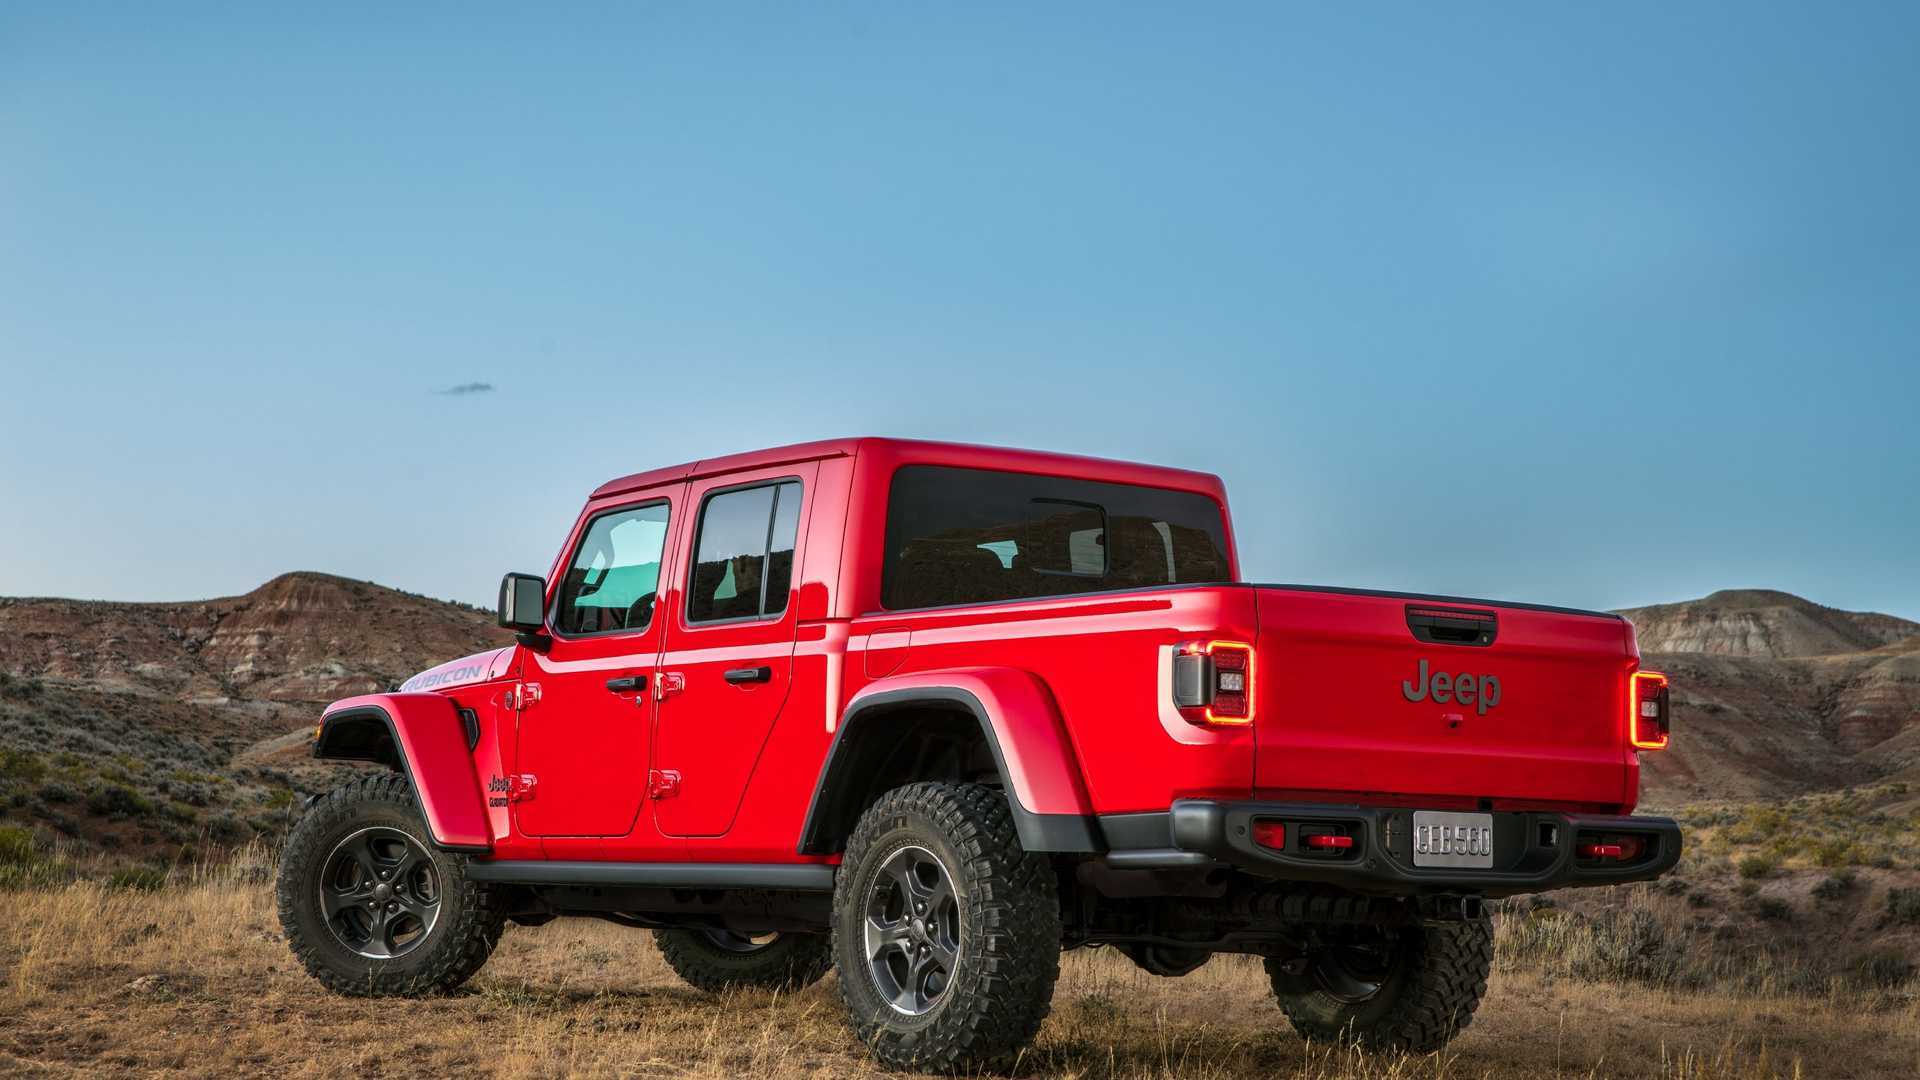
x: 1451, y: 909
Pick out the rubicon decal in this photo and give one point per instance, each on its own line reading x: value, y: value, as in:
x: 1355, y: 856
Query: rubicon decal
x: 1480, y: 691
x: 468, y: 669
x: 430, y: 679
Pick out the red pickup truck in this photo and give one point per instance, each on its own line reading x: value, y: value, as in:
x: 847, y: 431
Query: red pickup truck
x: 927, y: 714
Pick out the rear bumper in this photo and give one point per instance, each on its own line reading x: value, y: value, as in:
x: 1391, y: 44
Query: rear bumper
x: 1534, y: 851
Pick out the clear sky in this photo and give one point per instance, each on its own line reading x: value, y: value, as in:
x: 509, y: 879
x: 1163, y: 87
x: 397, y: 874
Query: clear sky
x: 1599, y: 306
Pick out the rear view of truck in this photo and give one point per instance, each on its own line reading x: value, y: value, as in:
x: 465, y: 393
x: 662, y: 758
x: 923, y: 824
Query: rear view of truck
x: 1422, y: 745
x: 1414, y: 756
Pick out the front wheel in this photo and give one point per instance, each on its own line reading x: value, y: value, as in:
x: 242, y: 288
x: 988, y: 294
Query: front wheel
x: 369, y: 907
x: 1410, y: 989
x: 946, y: 933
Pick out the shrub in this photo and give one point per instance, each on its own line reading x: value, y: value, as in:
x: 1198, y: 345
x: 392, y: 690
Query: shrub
x: 137, y: 878
x: 1772, y: 907
x: 53, y: 791
x: 21, y: 767
x: 1756, y: 866
x: 1837, y: 853
x: 117, y: 801
x: 21, y: 689
x: 228, y: 828
x: 1883, y: 967
x: 22, y: 862
x: 1834, y: 886
x: 1903, y: 906
x: 17, y: 847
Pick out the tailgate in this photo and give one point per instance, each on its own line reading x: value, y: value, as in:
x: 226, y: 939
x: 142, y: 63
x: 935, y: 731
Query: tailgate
x: 1388, y: 695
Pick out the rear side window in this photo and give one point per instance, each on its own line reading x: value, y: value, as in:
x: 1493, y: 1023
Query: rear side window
x: 743, y: 560
x: 615, y: 574
x: 966, y: 536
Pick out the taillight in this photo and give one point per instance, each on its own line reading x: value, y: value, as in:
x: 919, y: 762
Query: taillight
x: 1271, y: 834
x: 1213, y: 682
x: 1649, y: 712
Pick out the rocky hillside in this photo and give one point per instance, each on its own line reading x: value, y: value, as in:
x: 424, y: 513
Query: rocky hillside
x: 150, y: 730
x: 1775, y: 695
x: 301, y: 637
x: 1762, y: 622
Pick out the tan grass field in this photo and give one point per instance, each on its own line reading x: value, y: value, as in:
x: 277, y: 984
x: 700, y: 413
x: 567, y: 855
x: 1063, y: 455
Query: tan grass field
x: 195, y: 978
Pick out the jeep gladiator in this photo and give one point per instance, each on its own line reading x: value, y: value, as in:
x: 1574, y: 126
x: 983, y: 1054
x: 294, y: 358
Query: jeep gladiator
x: 928, y: 714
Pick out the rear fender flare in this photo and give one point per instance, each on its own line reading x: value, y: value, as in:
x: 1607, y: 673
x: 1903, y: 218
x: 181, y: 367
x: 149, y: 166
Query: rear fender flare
x: 1022, y: 727
x: 422, y: 737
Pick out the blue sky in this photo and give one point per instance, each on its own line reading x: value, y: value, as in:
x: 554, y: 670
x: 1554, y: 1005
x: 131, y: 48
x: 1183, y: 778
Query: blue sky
x: 1603, y: 306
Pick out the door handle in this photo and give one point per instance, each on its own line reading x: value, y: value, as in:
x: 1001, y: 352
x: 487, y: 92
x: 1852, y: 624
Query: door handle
x: 740, y: 675
x: 627, y: 684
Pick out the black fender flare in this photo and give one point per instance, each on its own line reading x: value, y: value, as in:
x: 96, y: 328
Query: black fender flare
x: 832, y: 810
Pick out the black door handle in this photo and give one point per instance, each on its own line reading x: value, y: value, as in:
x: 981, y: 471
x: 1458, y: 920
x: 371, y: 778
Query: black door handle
x: 626, y: 683
x: 749, y: 674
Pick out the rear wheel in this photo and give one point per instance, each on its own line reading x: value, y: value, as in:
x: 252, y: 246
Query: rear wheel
x: 946, y: 933
x: 1410, y: 989
x: 371, y: 908
x: 718, y: 960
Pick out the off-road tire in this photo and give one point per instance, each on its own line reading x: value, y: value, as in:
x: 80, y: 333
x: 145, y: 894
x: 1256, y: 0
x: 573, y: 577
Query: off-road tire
x: 1438, y: 976
x: 463, y: 934
x: 788, y: 962
x: 1008, y: 934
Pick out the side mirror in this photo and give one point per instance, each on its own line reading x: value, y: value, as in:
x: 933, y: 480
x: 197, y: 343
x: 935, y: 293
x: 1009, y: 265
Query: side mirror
x: 523, y: 603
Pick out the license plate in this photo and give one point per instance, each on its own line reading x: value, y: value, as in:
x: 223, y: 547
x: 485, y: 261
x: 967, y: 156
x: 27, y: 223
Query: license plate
x: 1443, y: 839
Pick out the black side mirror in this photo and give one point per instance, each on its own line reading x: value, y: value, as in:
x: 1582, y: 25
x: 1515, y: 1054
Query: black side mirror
x: 523, y: 603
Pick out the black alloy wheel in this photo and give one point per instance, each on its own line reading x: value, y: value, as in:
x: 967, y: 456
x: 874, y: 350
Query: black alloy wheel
x: 380, y: 893
x: 912, y: 930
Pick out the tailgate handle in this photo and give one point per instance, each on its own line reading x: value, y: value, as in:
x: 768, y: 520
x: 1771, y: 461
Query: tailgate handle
x: 1452, y: 626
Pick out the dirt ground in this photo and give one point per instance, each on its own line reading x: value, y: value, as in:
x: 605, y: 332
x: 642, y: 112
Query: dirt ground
x: 197, y: 979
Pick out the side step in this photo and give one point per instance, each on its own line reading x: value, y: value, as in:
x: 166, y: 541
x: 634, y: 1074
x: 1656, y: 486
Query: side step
x: 792, y: 877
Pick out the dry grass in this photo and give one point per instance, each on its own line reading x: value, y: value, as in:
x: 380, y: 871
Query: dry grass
x: 195, y: 978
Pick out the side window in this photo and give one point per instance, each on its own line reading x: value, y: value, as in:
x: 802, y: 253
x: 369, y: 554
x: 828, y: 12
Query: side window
x: 743, y: 558
x: 615, y: 574
x: 959, y: 536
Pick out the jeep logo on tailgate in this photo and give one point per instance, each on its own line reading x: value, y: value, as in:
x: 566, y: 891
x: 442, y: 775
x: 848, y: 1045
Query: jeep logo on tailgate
x: 1482, y: 692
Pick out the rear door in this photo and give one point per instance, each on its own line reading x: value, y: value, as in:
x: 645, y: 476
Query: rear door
x: 1388, y: 695
x: 584, y: 732
x: 729, y: 647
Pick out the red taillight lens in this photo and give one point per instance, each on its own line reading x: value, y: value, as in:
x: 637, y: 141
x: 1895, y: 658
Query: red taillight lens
x: 1649, y: 711
x: 1270, y: 834
x: 1600, y: 851
x: 1213, y: 682
x: 1233, y: 683
x: 1329, y: 842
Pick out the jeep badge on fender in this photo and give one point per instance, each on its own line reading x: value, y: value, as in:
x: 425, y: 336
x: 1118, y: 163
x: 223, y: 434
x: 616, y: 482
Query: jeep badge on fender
x: 1482, y: 692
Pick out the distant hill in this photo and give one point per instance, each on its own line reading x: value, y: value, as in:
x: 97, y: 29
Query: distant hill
x: 302, y: 637
x: 146, y: 730
x: 1776, y: 695
x: 1762, y: 622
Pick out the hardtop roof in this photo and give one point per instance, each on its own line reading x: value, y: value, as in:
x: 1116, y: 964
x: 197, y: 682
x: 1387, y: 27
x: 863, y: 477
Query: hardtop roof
x: 934, y: 452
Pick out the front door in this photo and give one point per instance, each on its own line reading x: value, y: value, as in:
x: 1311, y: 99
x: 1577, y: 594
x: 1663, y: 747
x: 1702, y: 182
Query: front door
x: 585, y: 719
x: 729, y: 648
